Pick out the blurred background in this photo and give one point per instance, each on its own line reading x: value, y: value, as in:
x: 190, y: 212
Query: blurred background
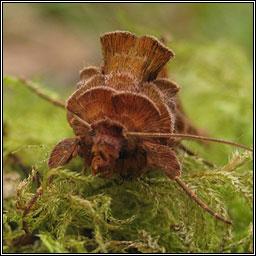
x: 54, y: 41
x: 49, y: 43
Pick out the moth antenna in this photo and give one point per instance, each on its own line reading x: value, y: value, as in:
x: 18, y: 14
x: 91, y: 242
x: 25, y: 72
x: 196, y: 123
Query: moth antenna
x: 41, y: 94
x: 81, y: 120
x: 188, y: 137
x: 193, y: 196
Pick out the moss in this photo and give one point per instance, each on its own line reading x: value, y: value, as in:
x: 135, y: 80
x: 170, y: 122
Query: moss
x: 80, y: 213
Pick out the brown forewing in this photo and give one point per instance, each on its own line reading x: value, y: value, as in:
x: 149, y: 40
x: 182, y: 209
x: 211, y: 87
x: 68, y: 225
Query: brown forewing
x: 167, y: 120
x: 95, y: 104
x: 73, y: 103
x: 136, y: 112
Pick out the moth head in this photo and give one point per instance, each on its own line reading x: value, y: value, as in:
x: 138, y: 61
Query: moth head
x: 108, y: 137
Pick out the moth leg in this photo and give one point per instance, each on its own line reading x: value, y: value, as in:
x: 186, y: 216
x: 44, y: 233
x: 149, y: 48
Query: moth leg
x: 76, y: 151
x: 107, y: 175
x: 63, y: 152
x: 193, y: 196
x: 165, y: 158
x: 28, y: 206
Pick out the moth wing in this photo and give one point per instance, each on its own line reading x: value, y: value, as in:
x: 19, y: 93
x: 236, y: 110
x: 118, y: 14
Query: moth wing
x: 73, y: 104
x: 63, y: 152
x: 137, y: 112
x: 167, y: 117
x: 163, y: 157
x: 169, y: 88
x: 86, y: 74
x: 90, y: 105
x: 96, y: 103
x: 78, y: 128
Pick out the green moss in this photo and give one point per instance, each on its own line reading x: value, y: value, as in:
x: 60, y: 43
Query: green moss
x: 80, y: 213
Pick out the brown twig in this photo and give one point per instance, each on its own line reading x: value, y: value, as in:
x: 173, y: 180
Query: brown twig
x: 55, y: 102
x: 25, y: 169
x: 28, y: 206
x: 19, y: 163
x: 191, y: 153
x: 33, y: 88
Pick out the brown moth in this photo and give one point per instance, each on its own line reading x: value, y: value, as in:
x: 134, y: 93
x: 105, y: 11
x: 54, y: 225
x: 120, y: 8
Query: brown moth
x: 125, y: 113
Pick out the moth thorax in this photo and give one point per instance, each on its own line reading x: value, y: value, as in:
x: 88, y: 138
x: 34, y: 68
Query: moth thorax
x: 121, y: 80
x: 107, y: 141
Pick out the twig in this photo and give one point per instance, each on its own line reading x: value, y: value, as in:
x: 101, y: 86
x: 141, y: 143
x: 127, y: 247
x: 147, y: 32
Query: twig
x: 28, y: 206
x: 190, y: 153
x: 25, y: 170
x: 36, y: 90
x: 33, y: 88
x: 19, y: 163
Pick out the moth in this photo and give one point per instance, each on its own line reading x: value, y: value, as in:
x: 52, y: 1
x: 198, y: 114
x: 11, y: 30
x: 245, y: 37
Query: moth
x: 126, y: 115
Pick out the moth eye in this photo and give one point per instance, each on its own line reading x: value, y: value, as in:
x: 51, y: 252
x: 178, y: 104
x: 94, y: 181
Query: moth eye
x: 102, y: 156
x: 144, y: 153
x: 92, y: 133
x: 121, y: 154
